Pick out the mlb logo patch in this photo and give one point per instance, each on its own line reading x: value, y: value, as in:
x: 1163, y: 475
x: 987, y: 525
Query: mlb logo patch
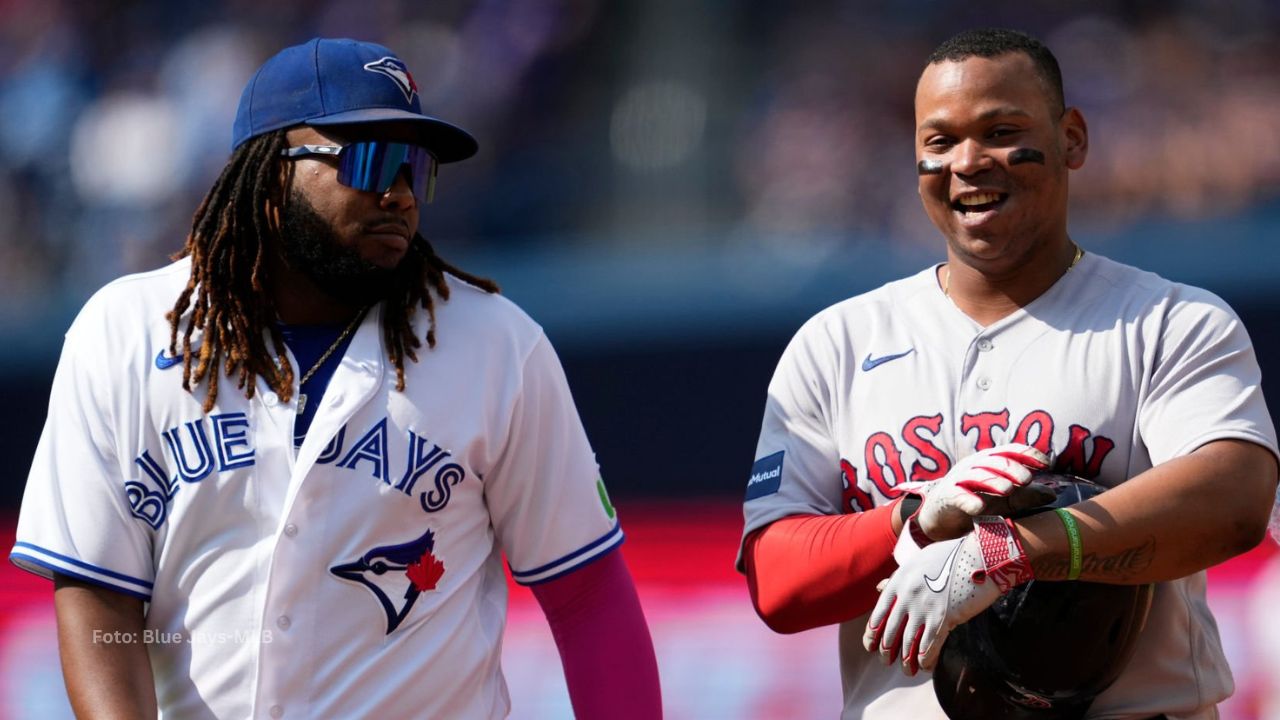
x: 766, y: 476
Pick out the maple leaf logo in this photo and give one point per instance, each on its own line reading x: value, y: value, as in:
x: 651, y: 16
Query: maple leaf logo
x: 426, y: 572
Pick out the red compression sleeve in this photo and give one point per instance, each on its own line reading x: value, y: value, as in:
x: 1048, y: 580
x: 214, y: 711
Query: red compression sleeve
x: 604, y: 642
x: 806, y: 571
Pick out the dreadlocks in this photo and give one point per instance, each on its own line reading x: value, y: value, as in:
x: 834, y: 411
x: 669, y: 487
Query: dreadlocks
x: 229, y: 289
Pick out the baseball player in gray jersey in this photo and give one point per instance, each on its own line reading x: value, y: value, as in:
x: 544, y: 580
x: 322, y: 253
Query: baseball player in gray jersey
x: 279, y: 476
x: 1021, y: 353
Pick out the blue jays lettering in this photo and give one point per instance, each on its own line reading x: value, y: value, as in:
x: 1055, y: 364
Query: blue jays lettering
x: 221, y: 443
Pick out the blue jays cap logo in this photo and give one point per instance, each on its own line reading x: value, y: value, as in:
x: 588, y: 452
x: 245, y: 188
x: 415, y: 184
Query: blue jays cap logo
x: 395, y: 69
x: 396, y: 575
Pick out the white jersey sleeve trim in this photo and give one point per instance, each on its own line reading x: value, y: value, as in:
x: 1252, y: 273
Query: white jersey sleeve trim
x: 42, y: 562
x: 572, y: 561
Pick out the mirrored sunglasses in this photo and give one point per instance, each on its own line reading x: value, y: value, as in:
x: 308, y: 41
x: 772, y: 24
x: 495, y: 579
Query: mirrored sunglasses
x: 372, y: 165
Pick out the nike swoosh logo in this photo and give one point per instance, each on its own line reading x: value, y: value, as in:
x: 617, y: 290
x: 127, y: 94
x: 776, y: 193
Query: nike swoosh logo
x: 872, y: 363
x: 939, y: 583
x: 164, y: 362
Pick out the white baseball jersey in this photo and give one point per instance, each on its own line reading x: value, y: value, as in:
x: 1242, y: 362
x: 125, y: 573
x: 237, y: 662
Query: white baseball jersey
x: 357, y: 576
x: 1111, y: 371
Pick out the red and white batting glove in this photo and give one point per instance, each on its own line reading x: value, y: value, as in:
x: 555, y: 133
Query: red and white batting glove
x: 951, y: 502
x: 939, y: 586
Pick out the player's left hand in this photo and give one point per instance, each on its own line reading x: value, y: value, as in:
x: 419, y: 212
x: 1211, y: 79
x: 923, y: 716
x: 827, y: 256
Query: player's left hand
x: 939, y: 586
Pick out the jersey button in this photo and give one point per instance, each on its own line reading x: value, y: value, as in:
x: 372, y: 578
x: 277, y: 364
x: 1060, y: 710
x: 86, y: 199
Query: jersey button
x: 283, y: 622
x: 270, y: 399
x: 984, y: 383
x: 290, y: 529
x: 276, y: 711
x: 984, y: 344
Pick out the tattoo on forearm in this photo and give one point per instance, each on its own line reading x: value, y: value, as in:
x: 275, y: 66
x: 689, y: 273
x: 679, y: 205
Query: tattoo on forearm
x: 1124, y: 565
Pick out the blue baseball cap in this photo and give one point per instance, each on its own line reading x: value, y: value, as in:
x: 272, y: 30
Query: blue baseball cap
x: 341, y: 82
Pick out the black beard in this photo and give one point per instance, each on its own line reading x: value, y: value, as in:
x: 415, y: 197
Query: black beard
x: 312, y: 247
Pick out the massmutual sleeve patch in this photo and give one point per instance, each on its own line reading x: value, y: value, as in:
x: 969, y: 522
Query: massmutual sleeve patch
x: 766, y: 476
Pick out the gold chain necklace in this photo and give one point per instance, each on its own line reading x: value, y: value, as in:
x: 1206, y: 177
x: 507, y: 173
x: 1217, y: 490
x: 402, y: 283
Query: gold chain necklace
x: 302, y: 397
x: 946, y: 281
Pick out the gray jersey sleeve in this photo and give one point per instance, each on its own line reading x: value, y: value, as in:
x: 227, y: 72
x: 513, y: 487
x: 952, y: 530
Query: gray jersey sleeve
x: 797, y: 465
x: 1205, y: 384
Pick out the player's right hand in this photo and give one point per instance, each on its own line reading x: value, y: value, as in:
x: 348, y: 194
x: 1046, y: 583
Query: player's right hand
x: 924, y: 600
x: 980, y: 484
x: 938, y: 587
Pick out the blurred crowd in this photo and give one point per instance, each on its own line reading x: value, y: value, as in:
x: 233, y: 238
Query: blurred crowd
x: 784, y: 127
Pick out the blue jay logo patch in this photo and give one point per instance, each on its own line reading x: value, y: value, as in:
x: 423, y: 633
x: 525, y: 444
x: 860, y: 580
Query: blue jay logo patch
x: 396, y: 575
x: 395, y: 69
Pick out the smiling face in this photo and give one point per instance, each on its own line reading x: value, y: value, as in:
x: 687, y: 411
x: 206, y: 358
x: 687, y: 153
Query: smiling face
x: 993, y: 152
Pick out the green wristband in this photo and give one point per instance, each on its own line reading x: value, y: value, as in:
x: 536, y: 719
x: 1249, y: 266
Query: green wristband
x: 1073, y: 536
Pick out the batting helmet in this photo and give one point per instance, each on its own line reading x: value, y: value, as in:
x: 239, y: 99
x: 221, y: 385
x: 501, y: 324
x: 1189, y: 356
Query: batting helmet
x: 1045, y: 650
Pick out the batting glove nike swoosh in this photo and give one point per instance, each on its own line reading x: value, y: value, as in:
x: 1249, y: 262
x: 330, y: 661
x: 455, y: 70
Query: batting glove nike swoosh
x: 939, y: 586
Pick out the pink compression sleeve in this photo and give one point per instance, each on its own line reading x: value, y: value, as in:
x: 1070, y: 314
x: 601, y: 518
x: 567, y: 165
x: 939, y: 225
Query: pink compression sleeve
x: 600, y: 630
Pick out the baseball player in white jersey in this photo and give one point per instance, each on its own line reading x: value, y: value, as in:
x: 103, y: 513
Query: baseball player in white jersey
x: 1021, y: 353
x: 262, y: 495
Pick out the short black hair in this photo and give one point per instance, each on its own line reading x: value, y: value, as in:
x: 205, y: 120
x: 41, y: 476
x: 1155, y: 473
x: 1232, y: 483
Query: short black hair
x: 992, y: 42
